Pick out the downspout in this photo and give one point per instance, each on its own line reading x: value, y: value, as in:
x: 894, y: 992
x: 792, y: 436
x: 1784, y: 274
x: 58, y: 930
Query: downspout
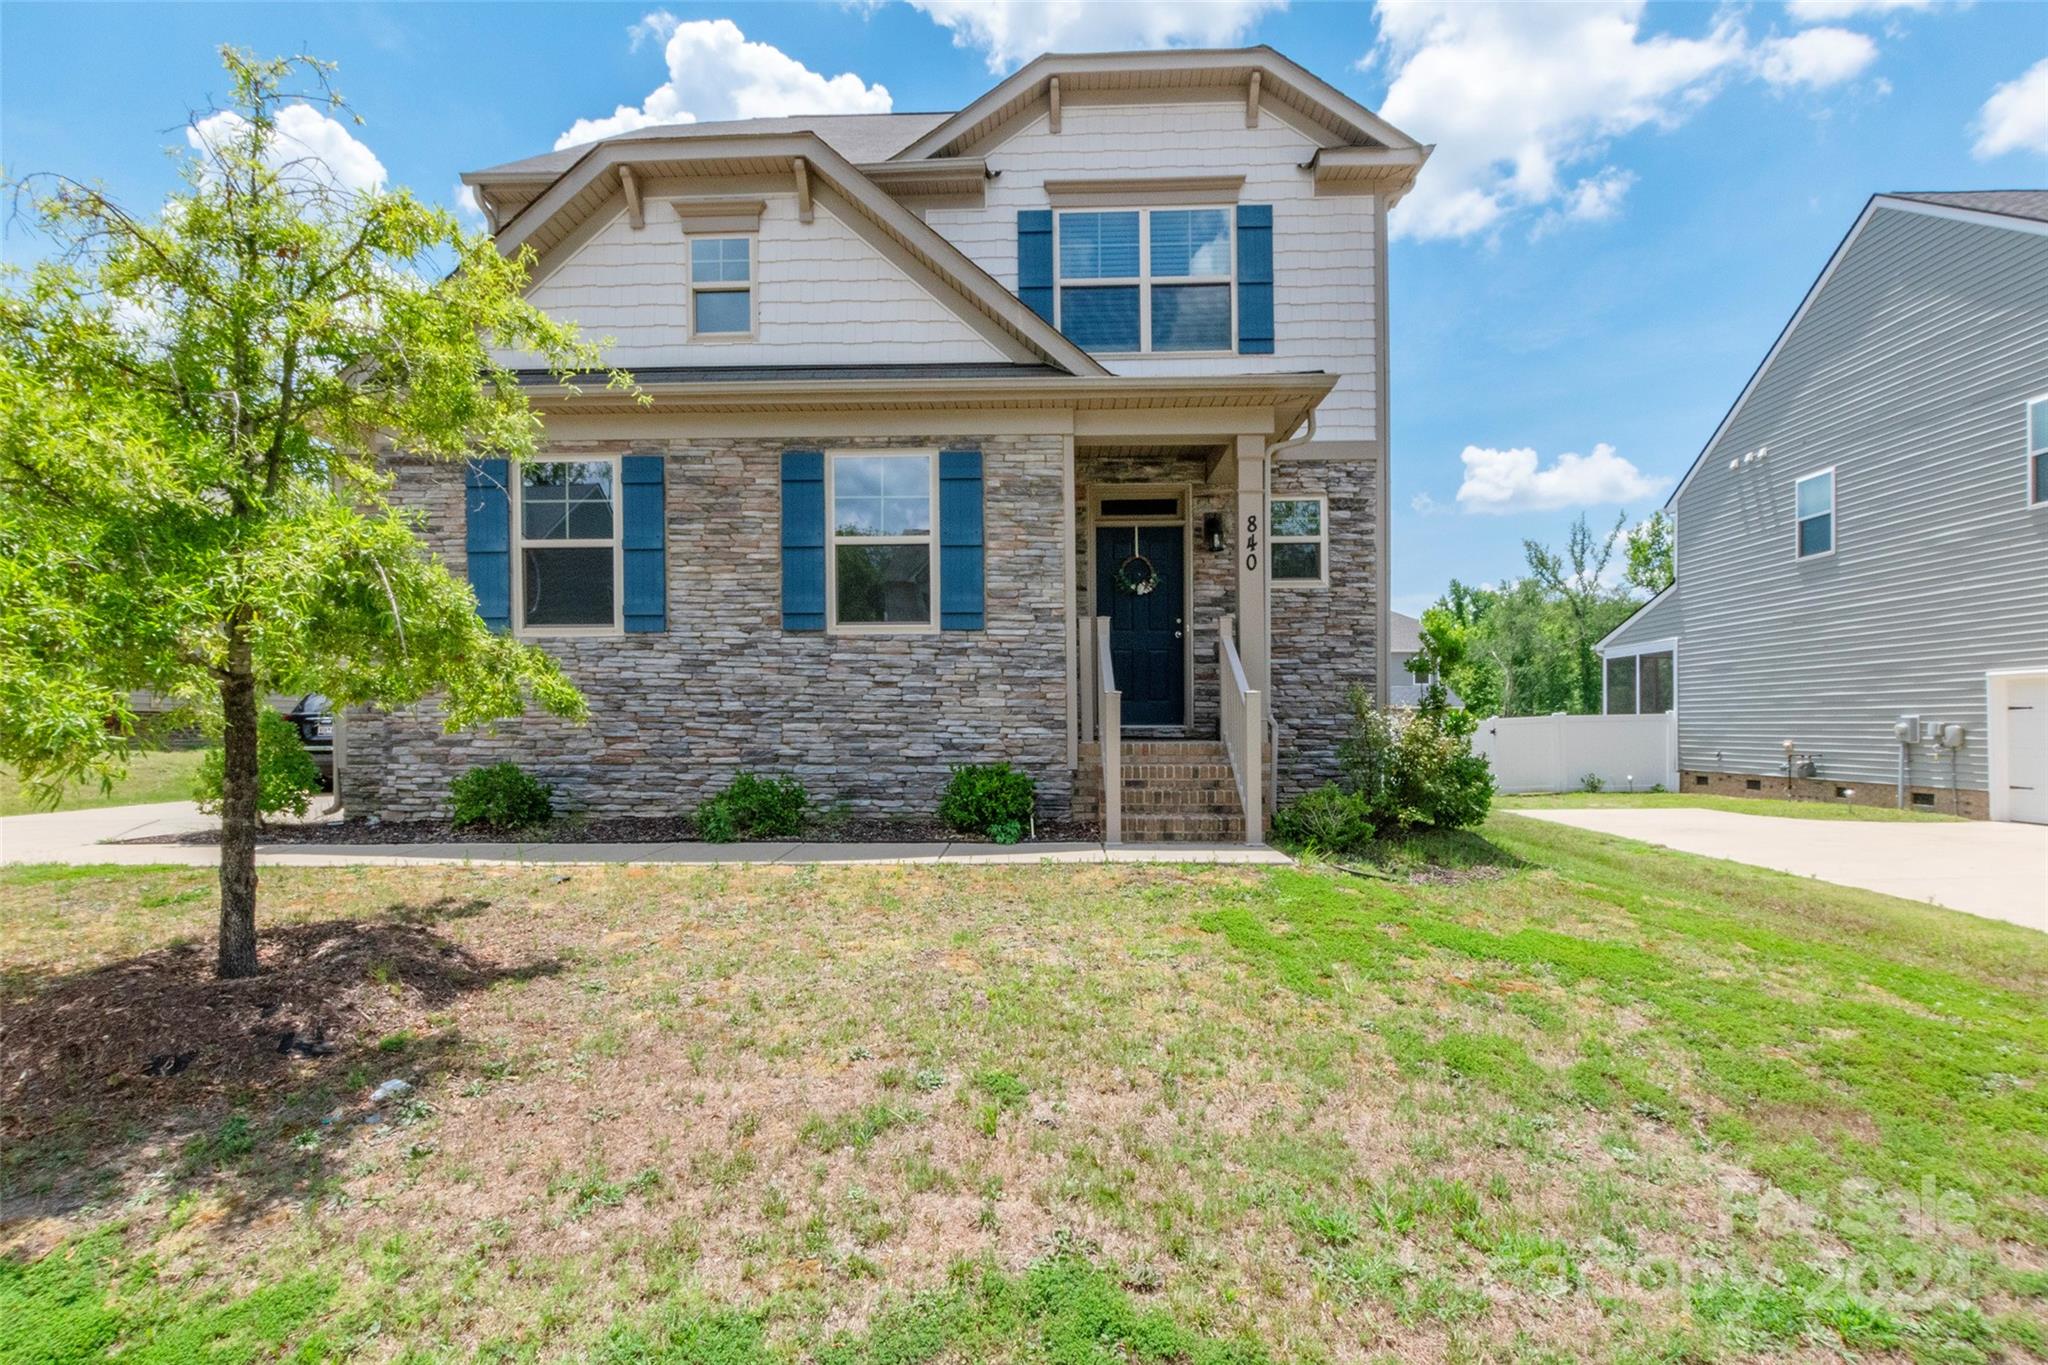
x: 1273, y: 451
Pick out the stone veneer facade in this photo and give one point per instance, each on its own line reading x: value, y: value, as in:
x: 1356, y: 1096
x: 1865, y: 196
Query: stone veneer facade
x: 875, y: 721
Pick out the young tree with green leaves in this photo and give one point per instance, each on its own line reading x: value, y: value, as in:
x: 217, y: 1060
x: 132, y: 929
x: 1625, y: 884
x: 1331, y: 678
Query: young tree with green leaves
x: 1651, y: 556
x: 1572, y: 580
x: 194, y: 411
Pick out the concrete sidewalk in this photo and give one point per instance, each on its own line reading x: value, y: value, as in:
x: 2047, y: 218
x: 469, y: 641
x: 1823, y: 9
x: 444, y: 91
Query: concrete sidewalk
x: 1998, y: 871
x: 78, y: 837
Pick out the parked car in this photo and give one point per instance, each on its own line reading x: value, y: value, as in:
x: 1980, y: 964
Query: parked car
x: 314, y: 717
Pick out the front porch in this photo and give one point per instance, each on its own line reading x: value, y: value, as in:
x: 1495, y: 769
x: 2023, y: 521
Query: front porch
x: 1173, y: 736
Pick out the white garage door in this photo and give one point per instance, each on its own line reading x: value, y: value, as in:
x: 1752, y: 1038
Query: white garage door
x: 2026, y: 760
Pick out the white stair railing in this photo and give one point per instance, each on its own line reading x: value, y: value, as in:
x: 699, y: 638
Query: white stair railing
x: 1109, y: 710
x: 1244, y: 730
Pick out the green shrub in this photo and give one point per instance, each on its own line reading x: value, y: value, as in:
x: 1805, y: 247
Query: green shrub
x: 754, y: 808
x: 286, y: 776
x: 991, y: 799
x: 502, y: 796
x: 1592, y: 782
x: 1398, y: 772
x: 1327, y: 820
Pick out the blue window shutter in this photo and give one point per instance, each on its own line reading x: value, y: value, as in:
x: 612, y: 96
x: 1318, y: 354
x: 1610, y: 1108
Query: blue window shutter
x: 960, y: 540
x: 1034, y: 260
x: 644, y: 542
x: 803, y: 540
x: 1255, y: 279
x: 487, y: 539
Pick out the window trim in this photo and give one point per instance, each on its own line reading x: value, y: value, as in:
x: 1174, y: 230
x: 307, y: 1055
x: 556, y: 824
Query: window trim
x: 2035, y: 471
x: 1833, y: 516
x: 930, y: 540
x: 520, y: 544
x: 1321, y: 539
x: 1637, y: 652
x: 1143, y: 280
x: 751, y: 286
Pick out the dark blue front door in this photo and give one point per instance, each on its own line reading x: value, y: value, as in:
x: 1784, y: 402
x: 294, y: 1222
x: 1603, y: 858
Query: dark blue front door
x: 1145, y: 628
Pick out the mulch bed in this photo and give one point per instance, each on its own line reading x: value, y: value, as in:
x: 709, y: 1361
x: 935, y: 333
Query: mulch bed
x: 90, y: 1053
x: 617, y: 830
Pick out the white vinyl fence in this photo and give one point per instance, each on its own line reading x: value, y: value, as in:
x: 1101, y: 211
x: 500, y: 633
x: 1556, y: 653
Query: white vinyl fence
x: 1556, y: 753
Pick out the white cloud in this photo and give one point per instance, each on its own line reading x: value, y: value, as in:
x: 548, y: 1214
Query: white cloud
x: 1821, y: 11
x: 305, y: 140
x: 1012, y: 32
x: 2015, y: 118
x: 1814, y: 57
x: 715, y: 73
x: 1598, y: 197
x: 1503, y: 481
x: 467, y: 205
x: 1514, y: 95
x: 1424, y: 505
x: 1519, y: 97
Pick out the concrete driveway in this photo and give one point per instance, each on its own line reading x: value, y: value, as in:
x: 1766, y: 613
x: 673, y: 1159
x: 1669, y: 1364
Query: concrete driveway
x: 1999, y: 871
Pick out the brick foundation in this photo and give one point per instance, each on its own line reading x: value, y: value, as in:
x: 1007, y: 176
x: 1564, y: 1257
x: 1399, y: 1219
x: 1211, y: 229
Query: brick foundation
x: 1969, y: 803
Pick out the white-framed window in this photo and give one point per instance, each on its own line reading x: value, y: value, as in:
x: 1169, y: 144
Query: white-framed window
x: 1136, y: 280
x: 721, y: 286
x: 1298, y: 541
x: 1813, y: 500
x: 882, y: 558
x: 566, y: 562
x: 1642, y: 684
x: 2037, y: 451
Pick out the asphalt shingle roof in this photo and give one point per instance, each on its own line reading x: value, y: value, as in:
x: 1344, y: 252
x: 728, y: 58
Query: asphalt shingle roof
x: 860, y: 138
x: 2011, y: 203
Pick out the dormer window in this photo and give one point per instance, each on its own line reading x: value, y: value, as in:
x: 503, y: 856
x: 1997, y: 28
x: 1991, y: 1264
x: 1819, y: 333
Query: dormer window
x: 1136, y: 280
x: 721, y: 287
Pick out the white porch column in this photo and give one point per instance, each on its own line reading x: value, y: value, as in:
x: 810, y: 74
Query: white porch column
x: 1253, y: 621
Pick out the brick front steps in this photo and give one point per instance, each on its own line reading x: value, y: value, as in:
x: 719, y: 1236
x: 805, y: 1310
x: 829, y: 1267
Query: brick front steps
x: 1174, y: 790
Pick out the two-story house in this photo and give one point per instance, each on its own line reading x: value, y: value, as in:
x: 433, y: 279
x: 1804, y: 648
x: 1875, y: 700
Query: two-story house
x: 1039, y: 431
x: 1861, y: 605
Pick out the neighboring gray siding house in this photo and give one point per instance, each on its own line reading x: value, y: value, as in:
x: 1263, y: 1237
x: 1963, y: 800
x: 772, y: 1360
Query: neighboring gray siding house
x: 1862, y: 548
x: 935, y: 401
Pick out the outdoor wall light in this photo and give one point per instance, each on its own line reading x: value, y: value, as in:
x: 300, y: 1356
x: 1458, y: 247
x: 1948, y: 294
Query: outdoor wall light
x: 1212, y: 531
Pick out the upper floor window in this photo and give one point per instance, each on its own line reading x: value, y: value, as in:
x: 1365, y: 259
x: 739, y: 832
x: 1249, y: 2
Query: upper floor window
x: 1146, y: 279
x: 568, y: 546
x: 721, y: 286
x: 1814, y: 500
x: 2037, y: 451
x: 1299, y: 542
x: 882, y: 554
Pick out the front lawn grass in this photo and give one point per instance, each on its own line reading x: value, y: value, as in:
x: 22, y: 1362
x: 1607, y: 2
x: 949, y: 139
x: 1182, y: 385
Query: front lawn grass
x: 152, y: 776
x: 1518, y: 1094
x: 1739, y: 805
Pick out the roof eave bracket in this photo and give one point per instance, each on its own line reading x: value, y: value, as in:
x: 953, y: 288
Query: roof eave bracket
x: 803, y: 190
x: 630, y: 185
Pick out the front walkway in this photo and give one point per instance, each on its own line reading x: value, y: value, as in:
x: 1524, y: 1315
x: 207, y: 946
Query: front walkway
x: 1998, y: 871
x: 76, y: 837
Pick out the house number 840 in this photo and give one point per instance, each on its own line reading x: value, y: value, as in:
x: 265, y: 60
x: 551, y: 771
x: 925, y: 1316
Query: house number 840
x: 1251, y: 540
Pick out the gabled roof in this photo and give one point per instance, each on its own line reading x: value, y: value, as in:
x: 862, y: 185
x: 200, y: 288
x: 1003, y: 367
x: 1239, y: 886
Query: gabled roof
x: 1404, y: 633
x: 2032, y: 204
x: 1281, y: 82
x: 590, y: 185
x: 860, y: 138
x: 1986, y: 208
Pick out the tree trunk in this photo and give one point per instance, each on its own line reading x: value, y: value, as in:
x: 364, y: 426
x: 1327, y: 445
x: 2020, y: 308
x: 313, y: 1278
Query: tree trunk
x: 238, y: 814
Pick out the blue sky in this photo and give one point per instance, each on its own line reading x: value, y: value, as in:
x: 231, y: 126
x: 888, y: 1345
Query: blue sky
x: 1626, y: 204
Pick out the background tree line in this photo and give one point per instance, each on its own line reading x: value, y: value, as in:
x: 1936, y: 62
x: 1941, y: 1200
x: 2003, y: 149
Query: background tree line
x: 1525, y: 648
